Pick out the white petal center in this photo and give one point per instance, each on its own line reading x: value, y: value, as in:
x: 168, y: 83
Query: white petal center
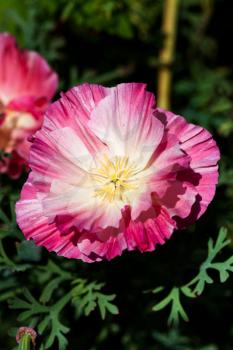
x: 115, y: 179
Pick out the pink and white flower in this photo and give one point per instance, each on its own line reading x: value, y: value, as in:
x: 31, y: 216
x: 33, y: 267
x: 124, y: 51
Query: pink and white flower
x: 27, y: 84
x: 110, y: 172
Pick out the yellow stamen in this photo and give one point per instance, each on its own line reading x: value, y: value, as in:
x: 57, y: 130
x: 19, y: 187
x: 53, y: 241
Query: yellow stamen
x: 114, y: 178
x: 13, y: 121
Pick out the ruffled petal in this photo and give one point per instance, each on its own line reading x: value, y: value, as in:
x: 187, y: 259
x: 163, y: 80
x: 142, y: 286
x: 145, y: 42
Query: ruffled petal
x: 99, y: 248
x: 75, y: 106
x: 73, y: 110
x: 146, y: 235
x: 124, y: 120
x: 35, y: 226
x: 48, y: 162
x: 204, y: 154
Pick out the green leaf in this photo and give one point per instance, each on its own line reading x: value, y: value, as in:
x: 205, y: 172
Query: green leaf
x: 28, y: 251
x: 50, y: 314
x: 90, y: 306
x: 105, y: 305
x: 197, y: 285
x: 162, y: 304
x: 188, y: 292
x: 43, y: 324
x: 157, y: 290
x: 49, y: 289
x: 177, y: 309
x: 87, y: 296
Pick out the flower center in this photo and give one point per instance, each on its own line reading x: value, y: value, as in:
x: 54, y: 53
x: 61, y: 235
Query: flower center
x: 114, y: 179
x: 11, y: 123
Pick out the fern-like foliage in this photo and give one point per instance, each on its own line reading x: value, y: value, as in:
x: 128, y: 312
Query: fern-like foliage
x: 87, y: 296
x: 197, y: 285
x: 44, y: 317
x: 45, y: 314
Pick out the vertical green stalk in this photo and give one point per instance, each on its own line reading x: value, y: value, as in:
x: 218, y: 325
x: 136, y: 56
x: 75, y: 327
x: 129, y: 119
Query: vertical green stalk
x: 24, y: 337
x: 25, y: 342
x: 166, y: 55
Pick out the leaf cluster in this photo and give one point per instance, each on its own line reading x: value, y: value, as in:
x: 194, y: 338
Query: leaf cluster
x: 196, y: 286
x: 46, y: 313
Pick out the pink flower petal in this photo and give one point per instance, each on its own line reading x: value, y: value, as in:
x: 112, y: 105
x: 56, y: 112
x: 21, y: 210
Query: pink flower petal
x: 27, y: 84
x: 75, y: 106
x: 23, y: 73
x: 124, y: 121
x: 146, y: 235
x: 36, y: 226
x: 204, y: 154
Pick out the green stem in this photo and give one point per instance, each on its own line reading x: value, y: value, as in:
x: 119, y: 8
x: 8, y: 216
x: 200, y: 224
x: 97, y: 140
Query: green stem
x: 4, y: 257
x: 62, y: 302
x: 25, y: 342
x: 166, y: 55
x: 193, y: 281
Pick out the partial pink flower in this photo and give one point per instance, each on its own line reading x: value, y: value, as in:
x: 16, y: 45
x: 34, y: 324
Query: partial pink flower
x: 27, y: 84
x: 110, y: 172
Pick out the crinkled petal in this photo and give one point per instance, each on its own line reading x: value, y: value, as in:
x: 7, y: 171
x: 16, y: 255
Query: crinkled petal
x: 199, y: 145
x: 98, y: 248
x: 47, y: 161
x: 75, y: 106
x: 146, y: 235
x: 124, y: 120
x: 36, y: 226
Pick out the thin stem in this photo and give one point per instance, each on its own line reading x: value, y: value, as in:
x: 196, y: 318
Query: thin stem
x: 25, y: 341
x: 166, y: 55
x: 62, y: 302
x: 4, y: 257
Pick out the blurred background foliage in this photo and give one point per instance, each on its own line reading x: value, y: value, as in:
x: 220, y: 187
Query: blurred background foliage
x: 107, y: 42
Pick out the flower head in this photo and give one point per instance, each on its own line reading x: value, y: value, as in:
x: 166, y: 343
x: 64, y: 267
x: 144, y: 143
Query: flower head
x: 22, y: 331
x: 110, y: 171
x: 27, y: 85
